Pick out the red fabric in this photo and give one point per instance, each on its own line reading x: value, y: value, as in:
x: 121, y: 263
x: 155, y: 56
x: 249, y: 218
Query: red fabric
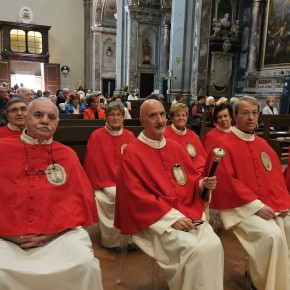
x: 242, y: 177
x: 103, y: 156
x: 189, y: 138
x: 147, y: 189
x: 210, y: 138
x: 287, y: 173
x: 5, y: 131
x: 31, y: 204
x: 90, y: 113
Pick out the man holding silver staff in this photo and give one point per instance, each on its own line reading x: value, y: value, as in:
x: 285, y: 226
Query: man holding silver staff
x: 253, y: 199
x: 158, y: 202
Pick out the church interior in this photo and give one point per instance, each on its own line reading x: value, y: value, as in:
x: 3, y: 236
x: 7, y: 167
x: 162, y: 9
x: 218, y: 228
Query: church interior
x: 218, y: 48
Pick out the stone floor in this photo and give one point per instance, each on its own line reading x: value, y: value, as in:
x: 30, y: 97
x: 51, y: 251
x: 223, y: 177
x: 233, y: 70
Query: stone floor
x: 141, y: 273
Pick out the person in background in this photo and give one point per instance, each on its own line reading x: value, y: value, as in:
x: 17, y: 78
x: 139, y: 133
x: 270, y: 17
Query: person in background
x: 4, y: 97
x: 158, y: 202
x: 190, y: 142
x: 210, y: 103
x: 253, y: 199
x: 270, y: 108
x: 74, y: 106
x: 195, y: 113
x: 103, y: 156
x: 25, y: 94
x: 94, y: 111
x: 44, y: 245
x: 46, y: 93
x: 223, y: 116
x: 39, y: 94
x: 14, y: 113
x: 132, y: 96
x: 178, y: 99
x: 127, y: 114
x: 53, y: 98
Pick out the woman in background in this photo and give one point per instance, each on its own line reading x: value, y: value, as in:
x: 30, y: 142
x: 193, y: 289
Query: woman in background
x: 223, y: 116
x: 94, y: 111
x: 74, y: 106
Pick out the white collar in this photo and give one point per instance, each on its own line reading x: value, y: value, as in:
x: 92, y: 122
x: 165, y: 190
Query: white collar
x: 177, y: 131
x: 113, y: 132
x: 152, y: 143
x: 223, y: 130
x: 27, y: 139
x: 13, y: 127
x: 242, y: 135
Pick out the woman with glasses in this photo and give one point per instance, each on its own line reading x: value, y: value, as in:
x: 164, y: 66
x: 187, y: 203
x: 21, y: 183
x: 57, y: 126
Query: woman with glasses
x: 103, y: 156
x: 14, y: 114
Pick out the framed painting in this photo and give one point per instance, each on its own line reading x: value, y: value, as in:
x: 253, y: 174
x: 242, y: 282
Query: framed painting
x: 277, y: 34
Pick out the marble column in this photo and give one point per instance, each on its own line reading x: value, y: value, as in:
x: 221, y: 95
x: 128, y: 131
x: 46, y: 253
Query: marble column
x: 256, y: 35
x: 121, y: 40
x: 165, y: 46
x: 87, y: 43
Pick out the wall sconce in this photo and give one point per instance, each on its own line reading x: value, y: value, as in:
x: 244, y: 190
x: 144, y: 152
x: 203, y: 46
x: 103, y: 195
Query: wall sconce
x: 109, y: 51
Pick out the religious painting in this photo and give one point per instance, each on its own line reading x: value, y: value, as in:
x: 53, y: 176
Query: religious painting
x: 277, y: 34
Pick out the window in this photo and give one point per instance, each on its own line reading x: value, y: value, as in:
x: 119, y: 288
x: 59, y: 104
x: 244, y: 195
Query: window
x: 17, y: 40
x: 34, y: 42
x: 28, y: 42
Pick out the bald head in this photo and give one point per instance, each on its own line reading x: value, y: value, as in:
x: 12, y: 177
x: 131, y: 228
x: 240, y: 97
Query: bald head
x: 153, y: 119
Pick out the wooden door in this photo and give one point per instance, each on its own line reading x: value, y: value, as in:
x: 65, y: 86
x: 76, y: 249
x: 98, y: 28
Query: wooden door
x: 5, y: 72
x: 52, y: 77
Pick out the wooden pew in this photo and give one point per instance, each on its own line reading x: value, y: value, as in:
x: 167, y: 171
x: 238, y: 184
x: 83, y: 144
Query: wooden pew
x: 77, y: 137
x: 98, y: 122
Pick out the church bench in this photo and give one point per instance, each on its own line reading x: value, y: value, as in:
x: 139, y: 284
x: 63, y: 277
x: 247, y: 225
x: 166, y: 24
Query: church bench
x: 76, y: 137
x: 97, y: 122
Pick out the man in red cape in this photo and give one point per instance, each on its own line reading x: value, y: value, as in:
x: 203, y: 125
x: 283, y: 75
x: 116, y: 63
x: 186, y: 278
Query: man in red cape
x: 158, y: 202
x: 45, y: 199
x: 253, y: 199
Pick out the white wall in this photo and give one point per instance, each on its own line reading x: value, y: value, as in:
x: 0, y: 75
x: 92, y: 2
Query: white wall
x: 66, y: 36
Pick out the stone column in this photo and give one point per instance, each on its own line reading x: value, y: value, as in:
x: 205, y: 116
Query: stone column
x: 88, y: 43
x: 165, y: 46
x: 256, y: 35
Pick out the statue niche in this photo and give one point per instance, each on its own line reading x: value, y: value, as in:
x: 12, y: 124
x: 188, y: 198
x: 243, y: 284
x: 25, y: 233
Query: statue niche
x: 146, y: 51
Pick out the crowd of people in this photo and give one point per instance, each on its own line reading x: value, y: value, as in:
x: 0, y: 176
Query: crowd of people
x: 148, y: 187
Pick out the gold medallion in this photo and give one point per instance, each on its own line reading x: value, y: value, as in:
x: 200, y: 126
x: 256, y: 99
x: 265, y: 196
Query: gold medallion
x: 123, y: 148
x: 266, y: 161
x: 179, y: 174
x: 56, y: 174
x: 191, y: 150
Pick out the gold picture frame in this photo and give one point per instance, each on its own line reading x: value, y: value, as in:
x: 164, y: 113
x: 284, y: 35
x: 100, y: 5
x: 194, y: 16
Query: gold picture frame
x: 277, y: 34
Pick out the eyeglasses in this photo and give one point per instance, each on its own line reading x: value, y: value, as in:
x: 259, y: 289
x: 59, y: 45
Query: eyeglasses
x: 248, y: 114
x: 117, y: 116
x: 34, y: 172
x: 16, y: 110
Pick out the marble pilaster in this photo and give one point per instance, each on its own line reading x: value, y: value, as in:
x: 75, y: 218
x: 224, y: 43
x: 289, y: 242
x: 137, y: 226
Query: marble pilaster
x: 88, y: 44
x: 255, y: 35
